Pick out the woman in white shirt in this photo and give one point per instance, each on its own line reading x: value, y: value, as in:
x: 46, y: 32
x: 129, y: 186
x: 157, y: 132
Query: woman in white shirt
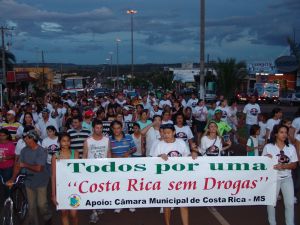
x: 172, y: 147
x: 212, y: 143
x: 183, y: 131
x: 152, y: 134
x: 51, y: 144
x: 286, y: 156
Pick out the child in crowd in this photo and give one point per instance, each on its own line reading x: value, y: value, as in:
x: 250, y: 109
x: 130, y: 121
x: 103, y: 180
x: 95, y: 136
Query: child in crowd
x: 138, y: 140
x: 252, y: 143
x: 262, y: 123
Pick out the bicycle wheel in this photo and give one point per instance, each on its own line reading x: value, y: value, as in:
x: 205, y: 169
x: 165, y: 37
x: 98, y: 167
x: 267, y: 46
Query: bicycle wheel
x: 20, y: 202
x: 7, y: 217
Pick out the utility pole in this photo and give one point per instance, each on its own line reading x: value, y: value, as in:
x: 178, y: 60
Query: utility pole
x: 117, y: 42
x: 3, y: 78
x: 43, y: 70
x: 132, y: 12
x: 202, y: 49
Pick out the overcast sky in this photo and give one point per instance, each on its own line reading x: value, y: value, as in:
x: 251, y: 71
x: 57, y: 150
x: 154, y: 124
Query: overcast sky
x: 165, y: 31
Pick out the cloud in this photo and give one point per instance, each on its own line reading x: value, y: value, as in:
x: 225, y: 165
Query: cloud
x: 51, y: 27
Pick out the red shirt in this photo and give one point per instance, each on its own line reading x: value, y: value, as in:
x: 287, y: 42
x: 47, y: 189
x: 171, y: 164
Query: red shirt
x: 7, y: 149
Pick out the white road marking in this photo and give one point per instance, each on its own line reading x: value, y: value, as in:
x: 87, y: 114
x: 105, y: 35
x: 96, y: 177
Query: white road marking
x: 218, y: 216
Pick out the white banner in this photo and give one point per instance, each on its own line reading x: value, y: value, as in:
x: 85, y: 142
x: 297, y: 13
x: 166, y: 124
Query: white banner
x: 153, y: 182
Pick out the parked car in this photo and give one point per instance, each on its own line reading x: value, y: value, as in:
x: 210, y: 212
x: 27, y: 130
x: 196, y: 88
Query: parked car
x: 289, y: 99
x: 100, y: 92
x: 210, y: 95
x: 241, y: 97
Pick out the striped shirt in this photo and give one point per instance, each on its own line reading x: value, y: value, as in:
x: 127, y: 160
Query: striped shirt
x: 12, y: 129
x: 77, y: 139
x: 119, y: 148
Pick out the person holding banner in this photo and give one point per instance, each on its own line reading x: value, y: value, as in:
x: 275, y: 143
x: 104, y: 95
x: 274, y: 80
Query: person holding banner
x: 287, y: 159
x: 121, y: 145
x: 65, y: 152
x: 172, y: 147
x: 95, y: 147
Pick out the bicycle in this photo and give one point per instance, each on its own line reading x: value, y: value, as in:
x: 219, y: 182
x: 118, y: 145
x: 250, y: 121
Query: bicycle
x: 16, y: 205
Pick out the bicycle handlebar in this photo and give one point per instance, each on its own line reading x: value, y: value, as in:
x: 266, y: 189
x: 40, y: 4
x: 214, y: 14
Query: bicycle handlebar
x: 19, y: 177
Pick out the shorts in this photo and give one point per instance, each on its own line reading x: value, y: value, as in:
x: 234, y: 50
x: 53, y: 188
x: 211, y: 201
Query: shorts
x: 200, y: 126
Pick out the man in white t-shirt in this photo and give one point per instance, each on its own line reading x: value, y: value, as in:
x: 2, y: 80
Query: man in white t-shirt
x: 192, y: 102
x: 96, y: 147
x: 165, y: 101
x: 251, y: 110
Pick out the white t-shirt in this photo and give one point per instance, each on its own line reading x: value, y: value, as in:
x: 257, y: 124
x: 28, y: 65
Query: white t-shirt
x: 162, y: 103
x: 289, y: 156
x: 41, y: 126
x: 183, y: 103
x: 251, y: 111
x: 296, y: 125
x: 200, y: 113
x: 52, y: 146
x: 176, y: 149
x: 152, y: 135
x: 184, y: 133
x: 192, y: 103
x: 153, y: 113
x: 97, y: 148
x: 20, y: 145
x: 225, y: 113
x: 255, y: 144
x: 128, y: 118
x: 215, y: 146
x: 138, y: 144
x: 167, y: 122
x: 120, y: 102
x: 270, y: 125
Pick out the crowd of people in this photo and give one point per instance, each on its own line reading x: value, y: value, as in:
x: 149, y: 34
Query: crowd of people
x: 36, y: 132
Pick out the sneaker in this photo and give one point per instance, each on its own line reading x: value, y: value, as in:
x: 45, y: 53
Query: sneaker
x: 132, y: 210
x: 117, y: 210
x: 94, y: 217
x: 295, y: 200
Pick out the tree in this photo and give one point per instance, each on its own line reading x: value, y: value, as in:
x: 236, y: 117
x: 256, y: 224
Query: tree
x: 230, y: 75
x: 162, y: 79
x: 10, y: 60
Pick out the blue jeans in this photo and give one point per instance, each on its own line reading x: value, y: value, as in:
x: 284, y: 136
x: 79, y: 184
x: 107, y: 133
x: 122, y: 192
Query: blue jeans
x: 287, y: 188
x: 6, y: 175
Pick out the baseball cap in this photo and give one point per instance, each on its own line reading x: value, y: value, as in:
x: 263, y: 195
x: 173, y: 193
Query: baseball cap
x: 12, y: 112
x: 218, y: 111
x: 31, y: 134
x: 45, y: 110
x: 126, y: 108
x: 89, y: 113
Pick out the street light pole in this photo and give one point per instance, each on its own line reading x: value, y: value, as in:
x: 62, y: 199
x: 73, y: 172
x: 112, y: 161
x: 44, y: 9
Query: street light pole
x: 132, y: 12
x: 117, y: 42
x: 202, y: 49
